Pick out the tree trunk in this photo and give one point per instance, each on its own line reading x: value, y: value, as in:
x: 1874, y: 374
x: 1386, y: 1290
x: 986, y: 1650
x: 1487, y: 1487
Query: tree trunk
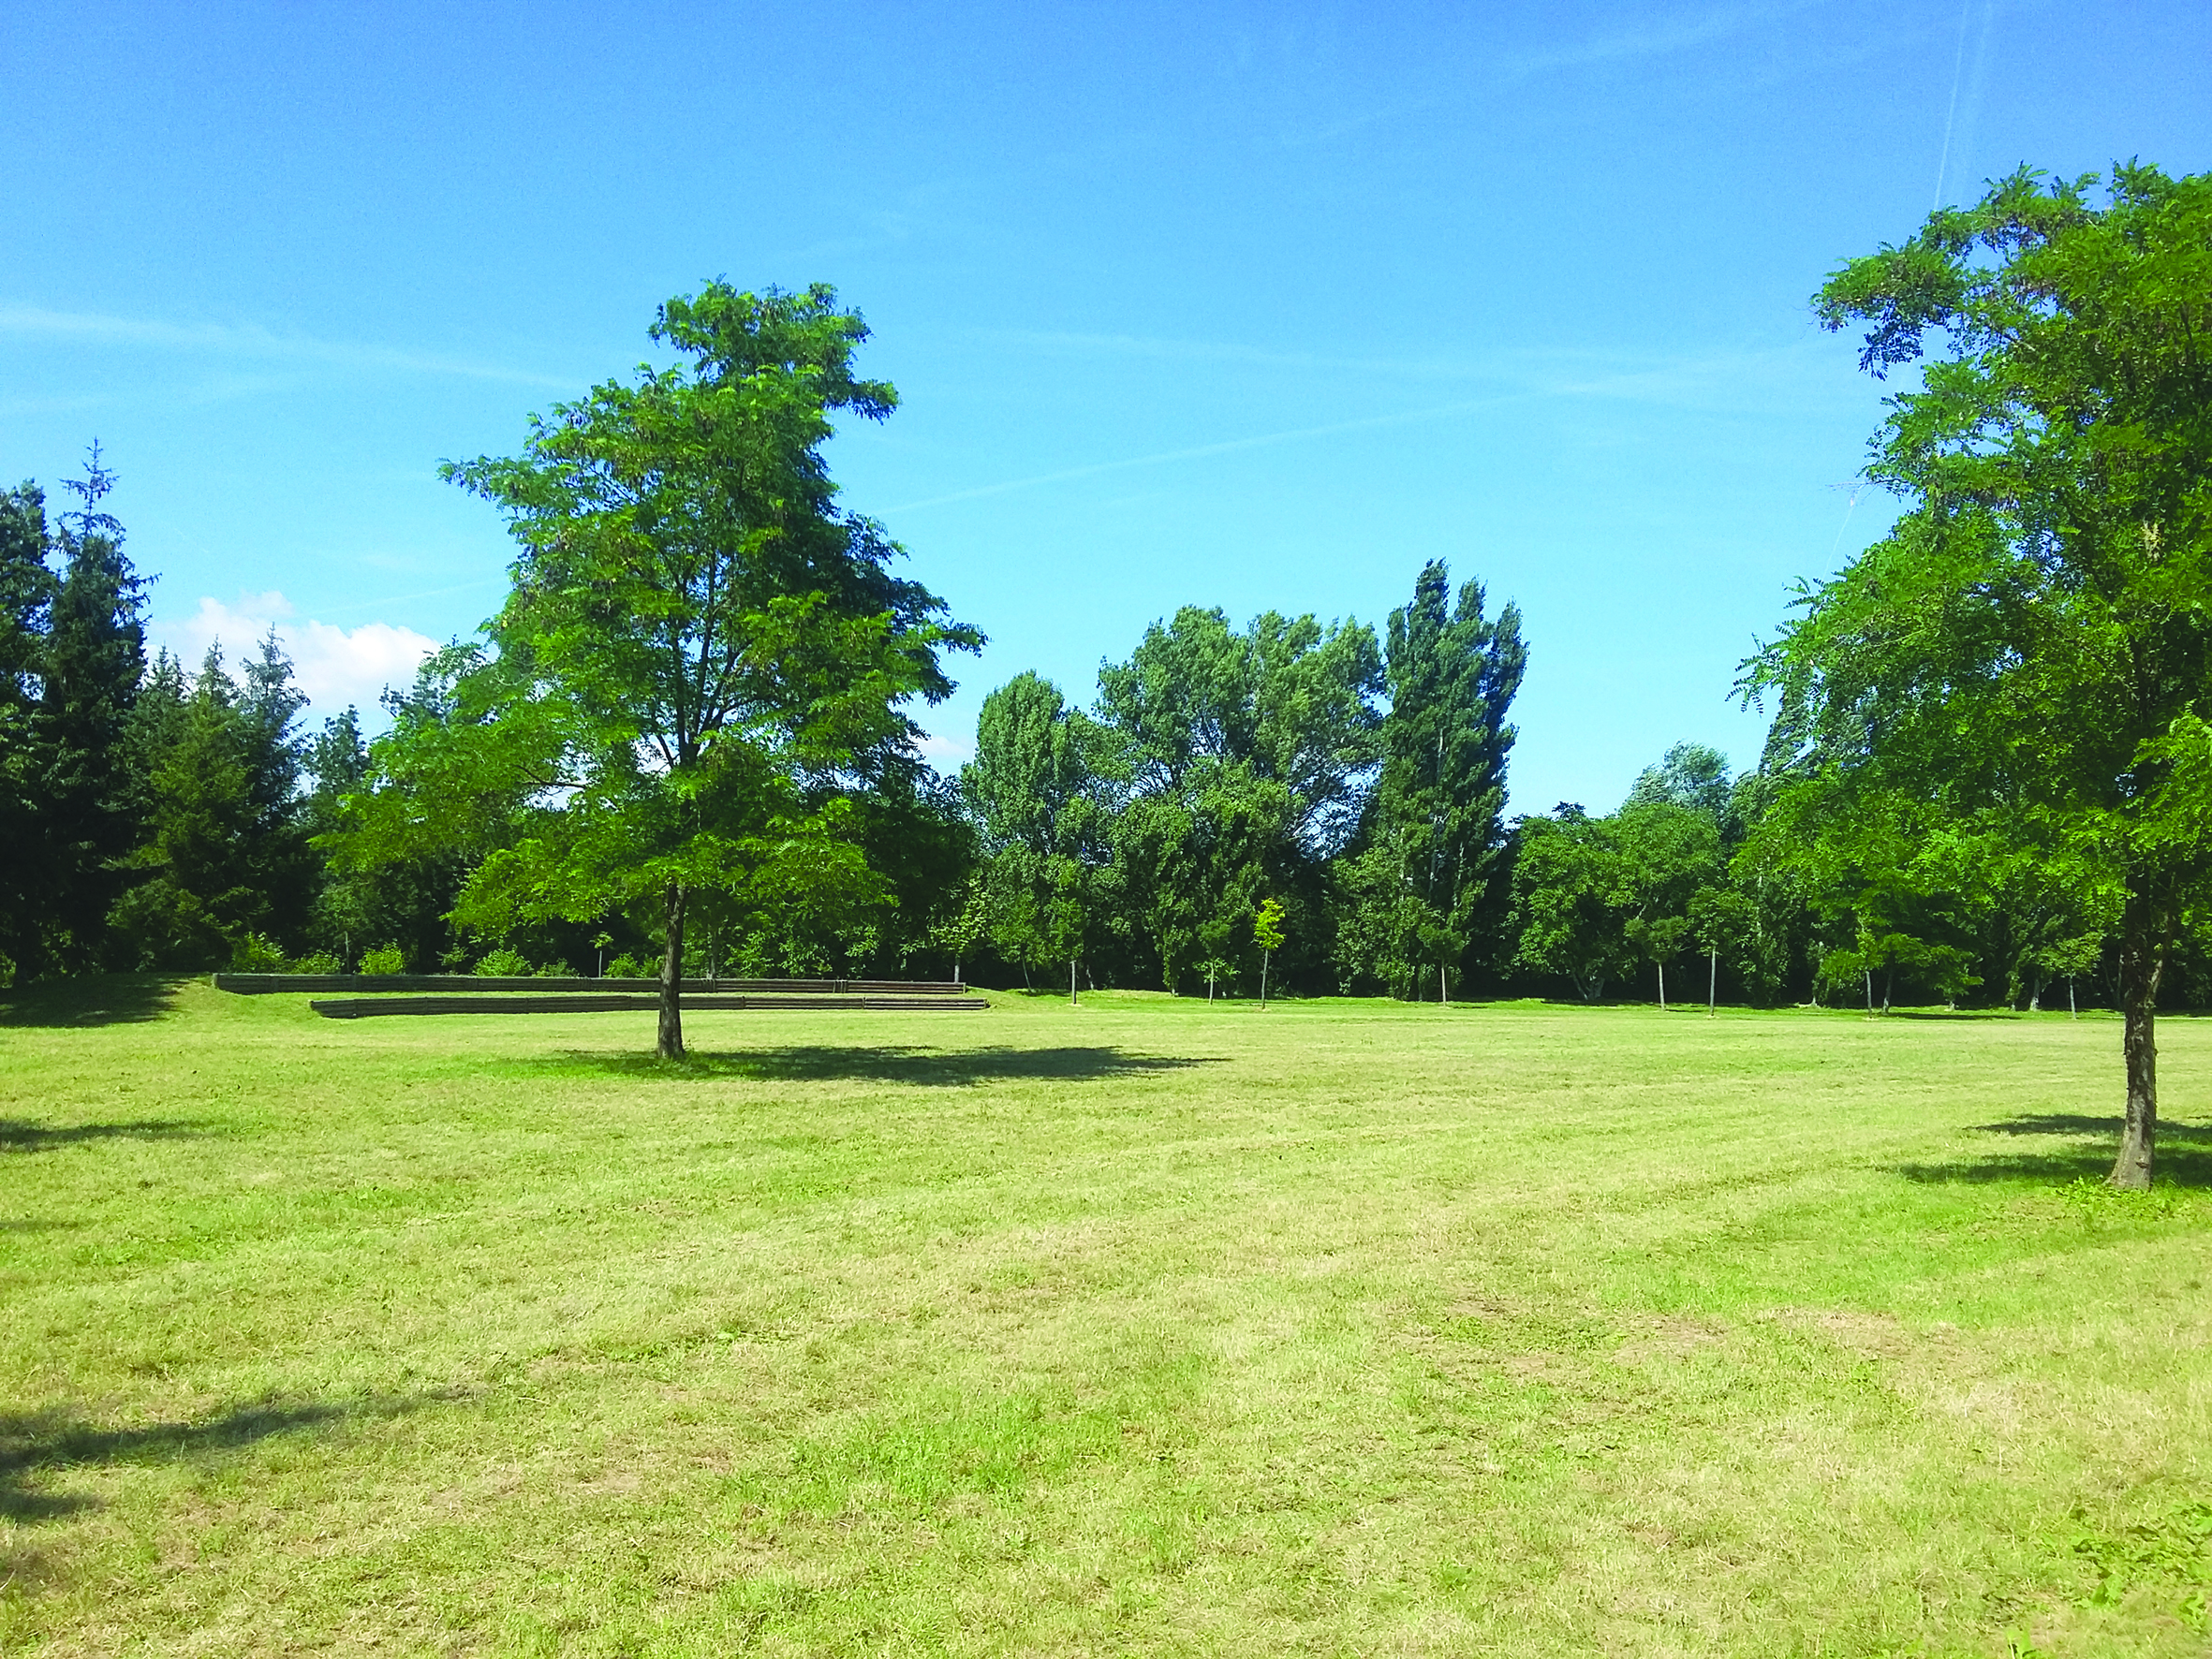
x: 1869, y: 994
x: 2142, y: 960
x: 670, y: 1046
x: 1889, y: 980
x: 1264, y: 956
x: 1713, y: 986
x: 1071, y: 982
x: 1662, y: 968
x: 2071, y: 1012
x: 1443, y: 986
x: 2035, y: 993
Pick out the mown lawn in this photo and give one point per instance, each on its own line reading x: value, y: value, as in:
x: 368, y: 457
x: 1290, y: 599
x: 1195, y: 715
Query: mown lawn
x: 1137, y: 1328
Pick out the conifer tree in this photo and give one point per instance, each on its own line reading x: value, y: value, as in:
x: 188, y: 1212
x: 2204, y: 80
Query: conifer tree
x: 26, y: 600
x: 89, y: 666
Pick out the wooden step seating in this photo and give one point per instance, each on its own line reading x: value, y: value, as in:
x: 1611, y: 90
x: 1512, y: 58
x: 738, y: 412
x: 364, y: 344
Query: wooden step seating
x: 364, y: 1007
x: 265, y: 984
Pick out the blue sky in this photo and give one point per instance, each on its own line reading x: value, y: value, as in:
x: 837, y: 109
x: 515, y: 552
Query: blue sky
x: 1250, y: 306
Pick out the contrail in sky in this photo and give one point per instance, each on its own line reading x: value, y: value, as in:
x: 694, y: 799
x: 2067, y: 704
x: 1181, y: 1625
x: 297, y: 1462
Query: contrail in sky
x: 1958, y: 65
x: 1227, y: 447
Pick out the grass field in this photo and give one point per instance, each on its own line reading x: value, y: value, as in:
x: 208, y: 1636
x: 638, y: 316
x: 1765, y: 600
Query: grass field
x: 1137, y: 1328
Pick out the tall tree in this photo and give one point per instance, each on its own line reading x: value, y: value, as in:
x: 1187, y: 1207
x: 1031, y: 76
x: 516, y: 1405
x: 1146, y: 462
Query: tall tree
x: 2034, y: 638
x: 697, y: 636
x: 1573, y: 896
x: 1693, y: 775
x: 1247, y: 754
x: 26, y: 601
x: 223, y: 864
x: 90, y: 665
x: 1042, y: 810
x: 1436, y: 829
x: 1670, y: 852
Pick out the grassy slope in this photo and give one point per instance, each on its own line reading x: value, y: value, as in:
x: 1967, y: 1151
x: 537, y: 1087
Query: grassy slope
x: 1137, y: 1328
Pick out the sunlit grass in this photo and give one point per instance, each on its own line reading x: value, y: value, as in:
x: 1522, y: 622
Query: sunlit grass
x: 1136, y: 1326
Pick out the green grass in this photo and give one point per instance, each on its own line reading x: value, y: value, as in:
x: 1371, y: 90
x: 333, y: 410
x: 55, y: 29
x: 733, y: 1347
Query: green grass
x: 1137, y: 1328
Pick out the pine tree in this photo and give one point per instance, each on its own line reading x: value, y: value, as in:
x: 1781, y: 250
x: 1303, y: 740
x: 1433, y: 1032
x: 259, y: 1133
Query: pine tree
x: 92, y: 658
x: 224, y: 856
x: 26, y: 602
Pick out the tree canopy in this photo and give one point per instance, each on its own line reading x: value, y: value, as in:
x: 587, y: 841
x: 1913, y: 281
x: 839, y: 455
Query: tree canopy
x: 696, y: 632
x: 2025, y: 654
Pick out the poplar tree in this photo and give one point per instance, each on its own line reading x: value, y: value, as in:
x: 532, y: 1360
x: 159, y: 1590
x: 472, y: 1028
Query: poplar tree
x: 1437, y: 827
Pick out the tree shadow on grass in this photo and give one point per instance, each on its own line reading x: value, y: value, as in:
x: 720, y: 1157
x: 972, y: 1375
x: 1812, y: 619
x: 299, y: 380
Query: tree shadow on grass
x: 2091, y: 1145
x: 97, y: 999
x: 16, y: 1135
x: 31, y: 1444
x: 895, y: 1062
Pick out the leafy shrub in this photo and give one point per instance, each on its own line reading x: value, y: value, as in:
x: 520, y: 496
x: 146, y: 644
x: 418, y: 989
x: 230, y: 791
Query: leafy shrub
x: 556, y: 969
x: 383, y: 959
x: 253, y: 954
x: 503, y: 963
x: 626, y: 967
x: 320, y: 961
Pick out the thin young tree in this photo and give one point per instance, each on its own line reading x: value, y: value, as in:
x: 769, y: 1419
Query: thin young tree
x: 1267, y: 932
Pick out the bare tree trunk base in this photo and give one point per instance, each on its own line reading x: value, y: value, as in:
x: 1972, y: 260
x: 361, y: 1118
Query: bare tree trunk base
x: 670, y: 1042
x: 2142, y: 960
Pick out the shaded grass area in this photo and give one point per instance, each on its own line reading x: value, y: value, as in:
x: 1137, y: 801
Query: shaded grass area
x: 889, y: 1063
x: 1138, y: 1327
x: 104, y: 999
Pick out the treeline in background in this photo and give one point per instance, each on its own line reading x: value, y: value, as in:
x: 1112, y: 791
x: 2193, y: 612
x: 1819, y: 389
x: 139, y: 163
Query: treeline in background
x: 160, y: 816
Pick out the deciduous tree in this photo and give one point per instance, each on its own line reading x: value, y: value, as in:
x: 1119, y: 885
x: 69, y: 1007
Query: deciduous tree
x: 2034, y: 639
x: 697, y: 638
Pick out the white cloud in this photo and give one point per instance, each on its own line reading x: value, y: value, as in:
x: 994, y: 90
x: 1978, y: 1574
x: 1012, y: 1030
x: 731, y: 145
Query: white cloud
x: 333, y: 665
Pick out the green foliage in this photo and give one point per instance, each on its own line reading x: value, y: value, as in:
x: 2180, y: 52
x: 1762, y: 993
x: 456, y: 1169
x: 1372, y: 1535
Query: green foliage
x: 72, y: 651
x: 626, y: 967
x: 1238, y: 761
x: 26, y: 599
x: 502, y: 963
x: 699, y: 644
x: 318, y: 962
x: 965, y: 922
x: 1433, y: 835
x: 253, y: 954
x: 223, y: 850
x: 383, y: 959
x: 1267, y: 925
x: 1689, y: 775
x: 2022, y: 658
x: 1037, y: 795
